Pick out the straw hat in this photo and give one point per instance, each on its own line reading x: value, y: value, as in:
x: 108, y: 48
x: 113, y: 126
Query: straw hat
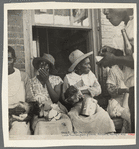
x: 76, y: 57
x: 46, y: 57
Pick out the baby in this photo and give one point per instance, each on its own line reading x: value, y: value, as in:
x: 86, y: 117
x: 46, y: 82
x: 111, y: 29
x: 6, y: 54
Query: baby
x: 73, y: 96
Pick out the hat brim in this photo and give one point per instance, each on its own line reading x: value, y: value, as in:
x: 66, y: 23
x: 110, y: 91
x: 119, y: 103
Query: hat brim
x: 37, y: 60
x: 79, y: 60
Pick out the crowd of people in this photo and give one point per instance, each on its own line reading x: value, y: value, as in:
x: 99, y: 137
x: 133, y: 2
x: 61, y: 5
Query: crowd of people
x: 46, y: 104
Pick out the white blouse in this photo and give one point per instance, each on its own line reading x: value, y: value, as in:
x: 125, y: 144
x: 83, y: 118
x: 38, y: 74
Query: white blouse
x: 82, y: 82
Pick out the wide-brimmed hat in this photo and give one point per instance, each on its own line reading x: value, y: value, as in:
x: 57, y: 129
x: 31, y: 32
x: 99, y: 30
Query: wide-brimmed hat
x: 76, y: 57
x: 46, y: 57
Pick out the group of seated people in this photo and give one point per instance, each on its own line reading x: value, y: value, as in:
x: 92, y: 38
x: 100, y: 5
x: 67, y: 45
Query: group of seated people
x: 46, y: 104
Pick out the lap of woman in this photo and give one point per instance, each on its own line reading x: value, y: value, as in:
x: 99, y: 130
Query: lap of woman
x: 43, y: 127
x: 100, y: 122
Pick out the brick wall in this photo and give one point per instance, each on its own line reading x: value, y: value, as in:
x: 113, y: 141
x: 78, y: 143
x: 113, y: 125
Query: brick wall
x: 15, y: 36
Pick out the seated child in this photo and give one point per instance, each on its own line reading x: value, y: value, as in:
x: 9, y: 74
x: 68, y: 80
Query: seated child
x: 24, y: 111
x: 74, y: 95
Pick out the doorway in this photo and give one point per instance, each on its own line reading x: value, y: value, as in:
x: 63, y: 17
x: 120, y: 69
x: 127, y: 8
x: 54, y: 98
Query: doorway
x: 60, y: 42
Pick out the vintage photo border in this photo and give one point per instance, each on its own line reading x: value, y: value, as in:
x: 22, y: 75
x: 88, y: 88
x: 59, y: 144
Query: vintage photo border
x: 71, y: 140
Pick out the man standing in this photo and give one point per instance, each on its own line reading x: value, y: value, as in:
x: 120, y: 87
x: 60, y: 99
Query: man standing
x: 116, y: 16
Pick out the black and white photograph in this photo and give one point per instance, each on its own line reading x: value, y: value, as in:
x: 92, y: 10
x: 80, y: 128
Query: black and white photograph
x: 69, y: 73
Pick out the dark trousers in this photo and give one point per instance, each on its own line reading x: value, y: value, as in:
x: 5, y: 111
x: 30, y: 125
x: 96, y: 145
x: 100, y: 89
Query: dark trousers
x: 131, y: 104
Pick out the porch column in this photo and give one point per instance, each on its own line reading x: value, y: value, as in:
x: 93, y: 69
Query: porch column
x: 28, y: 41
x: 95, y: 38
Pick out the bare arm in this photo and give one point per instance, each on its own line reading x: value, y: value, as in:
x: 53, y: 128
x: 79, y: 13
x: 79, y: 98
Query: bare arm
x: 65, y: 87
x: 125, y: 60
x: 54, y: 93
x: 114, y: 91
x: 11, y: 106
x: 110, y: 59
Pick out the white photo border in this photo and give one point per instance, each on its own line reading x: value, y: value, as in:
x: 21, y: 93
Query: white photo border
x: 47, y: 141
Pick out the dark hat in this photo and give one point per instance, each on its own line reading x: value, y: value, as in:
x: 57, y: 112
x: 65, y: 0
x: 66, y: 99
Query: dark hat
x: 46, y: 57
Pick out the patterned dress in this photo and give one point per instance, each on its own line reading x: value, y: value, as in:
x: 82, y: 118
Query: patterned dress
x: 38, y: 89
x: 42, y: 126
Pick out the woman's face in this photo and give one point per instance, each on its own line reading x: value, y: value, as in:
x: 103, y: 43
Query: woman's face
x: 44, y: 65
x: 115, y: 16
x: 84, y: 66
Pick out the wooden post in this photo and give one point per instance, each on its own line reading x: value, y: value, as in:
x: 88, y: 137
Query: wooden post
x: 28, y: 40
x: 94, y: 35
x: 90, y: 40
x: 100, y: 70
x: 37, y: 43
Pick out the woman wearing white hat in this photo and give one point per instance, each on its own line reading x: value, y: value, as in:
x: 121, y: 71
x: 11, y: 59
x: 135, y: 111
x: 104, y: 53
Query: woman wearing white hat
x: 83, y: 78
x: 46, y: 89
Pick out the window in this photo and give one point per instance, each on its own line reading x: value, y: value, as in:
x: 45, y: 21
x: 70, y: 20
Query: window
x: 63, y: 17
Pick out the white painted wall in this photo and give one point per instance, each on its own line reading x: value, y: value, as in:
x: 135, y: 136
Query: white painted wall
x: 108, y: 31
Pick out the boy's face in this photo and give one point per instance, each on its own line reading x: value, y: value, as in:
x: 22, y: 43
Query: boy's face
x: 115, y: 16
